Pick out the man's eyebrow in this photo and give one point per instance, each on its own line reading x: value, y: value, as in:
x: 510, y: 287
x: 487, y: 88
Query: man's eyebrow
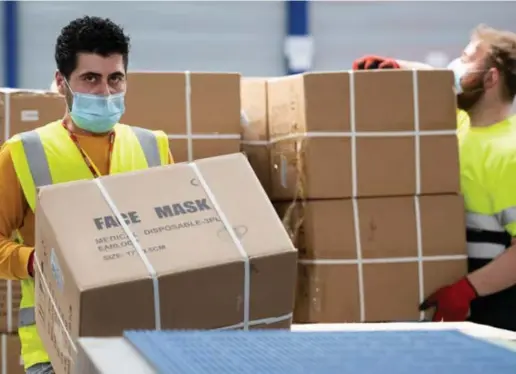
x: 117, y: 74
x: 91, y: 73
x: 98, y: 75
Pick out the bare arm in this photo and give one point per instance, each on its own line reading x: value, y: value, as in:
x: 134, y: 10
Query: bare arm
x: 500, y: 273
x: 496, y: 276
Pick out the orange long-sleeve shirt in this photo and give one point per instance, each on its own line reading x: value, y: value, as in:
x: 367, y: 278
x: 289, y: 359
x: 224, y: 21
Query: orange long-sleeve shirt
x: 15, y: 213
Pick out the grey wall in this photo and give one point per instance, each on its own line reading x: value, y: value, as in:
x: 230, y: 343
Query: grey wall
x: 344, y: 31
x: 247, y: 36
x: 191, y: 35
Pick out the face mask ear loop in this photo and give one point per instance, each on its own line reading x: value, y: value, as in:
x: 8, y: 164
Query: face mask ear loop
x: 68, y: 85
x: 71, y: 92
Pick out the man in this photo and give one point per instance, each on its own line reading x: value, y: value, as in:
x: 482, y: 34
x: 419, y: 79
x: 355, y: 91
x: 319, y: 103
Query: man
x: 92, y: 57
x: 485, y: 80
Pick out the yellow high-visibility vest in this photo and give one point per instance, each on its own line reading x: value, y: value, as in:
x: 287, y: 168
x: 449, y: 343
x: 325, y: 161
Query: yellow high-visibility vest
x: 488, y: 183
x: 47, y: 156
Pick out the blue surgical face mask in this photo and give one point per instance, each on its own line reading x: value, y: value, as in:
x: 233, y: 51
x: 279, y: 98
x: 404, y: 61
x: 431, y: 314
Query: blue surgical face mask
x: 97, y: 113
x: 459, y: 70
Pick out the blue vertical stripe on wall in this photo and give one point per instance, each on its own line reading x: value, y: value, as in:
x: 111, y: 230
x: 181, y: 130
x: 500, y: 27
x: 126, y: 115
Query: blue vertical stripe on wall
x: 298, y: 41
x: 10, y: 42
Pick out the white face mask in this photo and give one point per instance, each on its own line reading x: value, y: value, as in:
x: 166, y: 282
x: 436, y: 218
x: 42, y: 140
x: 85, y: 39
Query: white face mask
x: 459, y: 70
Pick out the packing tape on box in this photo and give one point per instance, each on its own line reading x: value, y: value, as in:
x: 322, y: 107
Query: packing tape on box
x: 244, y: 119
x: 353, y: 134
x: 417, y: 148
x: 150, y: 269
x: 188, y: 100
x: 3, y: 361
x: 205, y: 136
x: 357, y: 134
x: 190, y: 136
x: 58, y: 336
x: 234, y: 238
x: 256, y: 142
x: 5, y: 354
x: 9, y: 306
x: 247, y: 322
x: 245, y: 122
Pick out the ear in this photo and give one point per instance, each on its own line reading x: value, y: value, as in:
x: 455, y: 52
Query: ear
x: 492, y: 78
x: 60, y: 83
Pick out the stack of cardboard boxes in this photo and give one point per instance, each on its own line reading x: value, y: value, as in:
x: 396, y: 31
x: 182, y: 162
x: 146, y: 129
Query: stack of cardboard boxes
x: 255, y: 129
x: 200, y: 112
x: 20, y: 110
x: 24, y: 110
x: 364, y: 171
x: 10, y: 358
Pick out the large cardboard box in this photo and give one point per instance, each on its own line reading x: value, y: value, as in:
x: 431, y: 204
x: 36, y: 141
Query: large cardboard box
x: 10, y: 296
x: 365, y: 133
x: 375, y: 259
x: 10, y: 355
x: 255, y: 130
x: 210, y: 252
x: 199, y: 111
x: 24, y: 110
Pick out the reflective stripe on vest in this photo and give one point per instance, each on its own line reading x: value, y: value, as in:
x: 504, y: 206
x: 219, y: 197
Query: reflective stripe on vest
x: 489, y: 225
x: 38, y: 163
x: 149, y: 144
x: 27, y: 317
x: 495, y: 222
x: 40, y: 171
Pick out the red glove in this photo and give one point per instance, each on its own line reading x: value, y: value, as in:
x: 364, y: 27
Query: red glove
x: 30, y: 265
x: 375, y: 62
x: 451, y: 302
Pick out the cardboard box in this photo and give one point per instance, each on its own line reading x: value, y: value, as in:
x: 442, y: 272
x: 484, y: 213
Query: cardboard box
x: 10, y: 356
x: 407, y: 247
x: 197, y: 223
x: 255, y: 130
x: 199, y: 111
x: 24, y: 110
x: 342, y: 134
x: 10, y: 297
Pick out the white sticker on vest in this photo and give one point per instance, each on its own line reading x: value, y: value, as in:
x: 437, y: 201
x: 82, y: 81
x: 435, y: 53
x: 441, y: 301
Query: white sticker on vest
x: 56, y: 270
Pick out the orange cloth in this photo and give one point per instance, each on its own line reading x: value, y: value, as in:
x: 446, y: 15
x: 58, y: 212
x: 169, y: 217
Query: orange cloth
x: 15, y: 213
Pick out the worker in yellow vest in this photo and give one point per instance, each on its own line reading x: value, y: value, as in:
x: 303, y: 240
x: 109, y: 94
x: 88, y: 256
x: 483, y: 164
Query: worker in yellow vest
x: 485, y: 82
x: 92, y: 56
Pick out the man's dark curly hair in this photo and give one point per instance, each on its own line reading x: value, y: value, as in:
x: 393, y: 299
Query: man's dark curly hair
x: 89, y: 35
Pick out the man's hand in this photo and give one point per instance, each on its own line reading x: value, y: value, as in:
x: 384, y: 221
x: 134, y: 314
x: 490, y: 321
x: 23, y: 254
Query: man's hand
x: 451, y: 302
x: 375, y: 62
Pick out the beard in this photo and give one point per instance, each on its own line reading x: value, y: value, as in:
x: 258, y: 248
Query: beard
x: 472, y: 91
x: 467, y: 100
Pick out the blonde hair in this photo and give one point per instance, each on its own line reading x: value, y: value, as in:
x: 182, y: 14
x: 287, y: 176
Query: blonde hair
x: 502, y: 51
